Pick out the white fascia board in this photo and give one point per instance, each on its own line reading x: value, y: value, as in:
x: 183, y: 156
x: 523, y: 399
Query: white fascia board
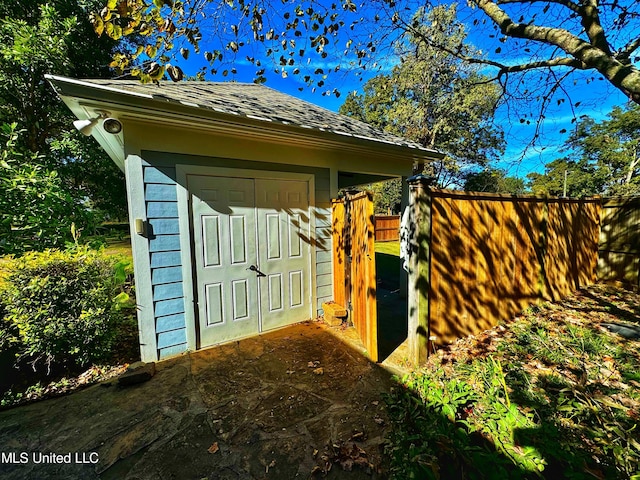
x: 144, y: 107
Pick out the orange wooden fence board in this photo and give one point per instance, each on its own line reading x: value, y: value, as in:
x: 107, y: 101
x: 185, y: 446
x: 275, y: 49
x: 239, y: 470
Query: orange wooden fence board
x: 339, y: 259
x: 355, y: 281
x: 387, y: 228
x: 493, y: 256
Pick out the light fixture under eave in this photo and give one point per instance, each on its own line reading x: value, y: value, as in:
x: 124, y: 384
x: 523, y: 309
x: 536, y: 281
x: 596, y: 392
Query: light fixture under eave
x: 86, y: 126
x: 112, y: 125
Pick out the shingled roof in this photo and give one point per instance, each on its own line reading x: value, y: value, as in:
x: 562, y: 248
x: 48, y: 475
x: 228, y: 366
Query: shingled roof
x: 259, y: 103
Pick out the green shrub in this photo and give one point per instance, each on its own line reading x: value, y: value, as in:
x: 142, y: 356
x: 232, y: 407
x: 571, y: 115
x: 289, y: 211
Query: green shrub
x: 62, y: 307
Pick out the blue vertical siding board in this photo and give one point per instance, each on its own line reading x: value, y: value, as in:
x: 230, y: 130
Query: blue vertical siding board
x: 171, y: 338
x: 164, y: 243
x: 166, y: 275
x: 165, y: 259
x: 160, y: 194
x: 171, y: 351
x: 169, y: 307
x: 164, y: 226
x: 170, y: 322
x: 159, y: 175
x: 163, y: 193
x: 167, y: 291
x: 162, y: 209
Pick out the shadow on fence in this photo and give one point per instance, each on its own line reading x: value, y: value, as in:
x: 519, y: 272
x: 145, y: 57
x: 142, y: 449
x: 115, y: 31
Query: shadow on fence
x: 492, y: 256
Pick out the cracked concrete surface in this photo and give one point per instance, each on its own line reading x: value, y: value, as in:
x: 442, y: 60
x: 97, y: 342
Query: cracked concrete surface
x: 265, y: 407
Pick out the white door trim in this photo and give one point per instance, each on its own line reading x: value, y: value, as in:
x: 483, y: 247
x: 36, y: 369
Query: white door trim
x: 186, y: 236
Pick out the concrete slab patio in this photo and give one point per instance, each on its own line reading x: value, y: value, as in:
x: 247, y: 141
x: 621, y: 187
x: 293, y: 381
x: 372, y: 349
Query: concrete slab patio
x: 282, y: 405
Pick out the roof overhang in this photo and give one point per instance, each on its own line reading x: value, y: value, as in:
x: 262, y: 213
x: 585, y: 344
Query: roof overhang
x: 86, y: 100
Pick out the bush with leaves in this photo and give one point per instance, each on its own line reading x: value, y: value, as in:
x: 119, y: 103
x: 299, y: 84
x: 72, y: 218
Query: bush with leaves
x: 63, y: 307
x: 36, y: 210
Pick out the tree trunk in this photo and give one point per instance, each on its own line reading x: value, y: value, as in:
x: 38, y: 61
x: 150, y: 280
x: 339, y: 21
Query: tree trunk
x: 632, y: 166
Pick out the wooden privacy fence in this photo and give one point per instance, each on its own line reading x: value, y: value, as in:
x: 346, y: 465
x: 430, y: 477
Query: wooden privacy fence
x: 484, y: 258
x: 354, y: 276
x: 619, y: 250
x: 387, y: 228
x: 475, y: 260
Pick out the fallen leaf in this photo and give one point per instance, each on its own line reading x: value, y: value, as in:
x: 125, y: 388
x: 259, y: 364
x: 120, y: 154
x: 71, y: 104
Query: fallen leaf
x: 319, y: 371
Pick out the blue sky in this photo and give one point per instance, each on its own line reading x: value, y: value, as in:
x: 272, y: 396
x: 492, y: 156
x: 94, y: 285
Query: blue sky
x: 594, y: 97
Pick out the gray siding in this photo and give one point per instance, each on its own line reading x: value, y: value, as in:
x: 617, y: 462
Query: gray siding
x: 324, y: 275
x: 164, y: 246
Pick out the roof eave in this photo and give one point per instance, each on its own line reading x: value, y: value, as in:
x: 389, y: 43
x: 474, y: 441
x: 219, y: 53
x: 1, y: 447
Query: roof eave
x: 143, y: 107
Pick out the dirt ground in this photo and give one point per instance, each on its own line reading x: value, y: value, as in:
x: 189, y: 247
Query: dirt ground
x: 302, y: 402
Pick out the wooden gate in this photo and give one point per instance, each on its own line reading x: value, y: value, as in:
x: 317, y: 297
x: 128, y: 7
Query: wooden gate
x: 354, y: 261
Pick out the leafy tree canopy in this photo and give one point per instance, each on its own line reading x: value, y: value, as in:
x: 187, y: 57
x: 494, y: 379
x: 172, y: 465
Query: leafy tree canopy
x: 493, y: 180
x: 434, y: 98
x: 36, y: 211
x: 606, y: 158
x: 39, y: 37
x: 559, y: 36
x: 387, y: 196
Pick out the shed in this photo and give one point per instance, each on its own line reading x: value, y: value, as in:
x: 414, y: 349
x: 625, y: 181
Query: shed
x: 229, y: 188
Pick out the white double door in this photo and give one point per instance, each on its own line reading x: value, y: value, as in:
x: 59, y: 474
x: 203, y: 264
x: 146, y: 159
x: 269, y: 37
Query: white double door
x: 252, y: 253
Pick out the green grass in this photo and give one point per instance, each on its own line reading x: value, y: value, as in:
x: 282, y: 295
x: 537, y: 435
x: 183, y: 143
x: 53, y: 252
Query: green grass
x: 118, y: 247
x: 388, y: 248
x: 552, y: 395
x: 388, y: 264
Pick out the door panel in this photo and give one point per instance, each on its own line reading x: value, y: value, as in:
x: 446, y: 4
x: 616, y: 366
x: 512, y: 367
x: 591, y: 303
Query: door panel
x: 242, y: 222
x: 284, y: 251
x: 224, y: 226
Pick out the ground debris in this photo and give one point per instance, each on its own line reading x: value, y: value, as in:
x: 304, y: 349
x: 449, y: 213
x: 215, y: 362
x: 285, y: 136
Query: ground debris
x: 345, y: 453
x: 137, y: 372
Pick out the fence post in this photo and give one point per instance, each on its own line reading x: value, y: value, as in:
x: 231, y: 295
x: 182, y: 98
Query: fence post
x: 404, y: 281
x: 418, y: 250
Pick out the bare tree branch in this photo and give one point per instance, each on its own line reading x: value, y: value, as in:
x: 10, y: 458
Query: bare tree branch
x: 626, y: 51
x: 595, y: 55
x: 549, y: 35
x: 567, y: 3
x: 553, y: 62
x: 502, y: 68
